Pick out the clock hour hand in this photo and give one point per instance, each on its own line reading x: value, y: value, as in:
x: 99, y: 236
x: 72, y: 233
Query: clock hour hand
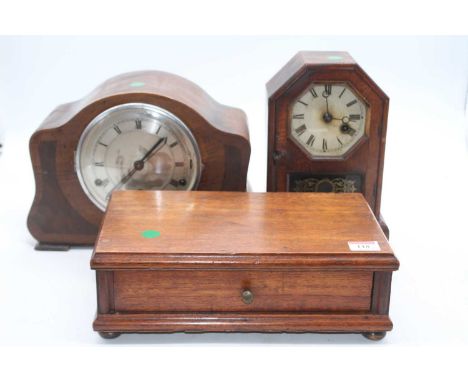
x: 161, y: 142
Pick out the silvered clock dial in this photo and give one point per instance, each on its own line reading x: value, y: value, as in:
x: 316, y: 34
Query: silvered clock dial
x: 136, y: 146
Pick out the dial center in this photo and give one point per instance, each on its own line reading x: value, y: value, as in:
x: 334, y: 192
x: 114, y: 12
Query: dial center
x: 138, y: 165
x: 327, y: 117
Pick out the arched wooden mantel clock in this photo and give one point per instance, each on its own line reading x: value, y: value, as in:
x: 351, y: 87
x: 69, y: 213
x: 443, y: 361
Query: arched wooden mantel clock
x: 326, y: 128
x: 141, y: 130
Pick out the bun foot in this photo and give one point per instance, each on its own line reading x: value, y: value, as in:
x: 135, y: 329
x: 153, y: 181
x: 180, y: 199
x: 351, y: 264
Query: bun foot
x: 374, y: 336
x: 109, y: 335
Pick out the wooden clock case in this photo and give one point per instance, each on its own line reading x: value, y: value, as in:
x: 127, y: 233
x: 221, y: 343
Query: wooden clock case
x: 62, y: 214
x: 364, y: 161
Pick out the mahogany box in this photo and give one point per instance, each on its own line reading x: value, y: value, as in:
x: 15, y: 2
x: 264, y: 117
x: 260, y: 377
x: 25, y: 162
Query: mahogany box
x: 206, y: 261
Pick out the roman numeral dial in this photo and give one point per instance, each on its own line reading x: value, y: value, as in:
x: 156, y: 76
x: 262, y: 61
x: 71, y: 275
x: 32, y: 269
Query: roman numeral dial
x: 327, y: 119
x: 136, y: 147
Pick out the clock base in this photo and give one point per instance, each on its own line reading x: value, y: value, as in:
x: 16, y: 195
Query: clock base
x: 247, y: 322
x: 51, y: 247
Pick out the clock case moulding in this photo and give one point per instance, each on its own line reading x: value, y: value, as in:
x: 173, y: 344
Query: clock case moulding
x: 62, y: 215
x: 286, y: 160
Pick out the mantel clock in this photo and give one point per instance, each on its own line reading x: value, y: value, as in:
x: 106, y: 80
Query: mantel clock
x: 326, y: 128
x: 145, y: 130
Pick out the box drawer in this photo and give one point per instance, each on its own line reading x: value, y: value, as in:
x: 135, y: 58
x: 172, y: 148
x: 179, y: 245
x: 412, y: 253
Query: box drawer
x: 240, y: 291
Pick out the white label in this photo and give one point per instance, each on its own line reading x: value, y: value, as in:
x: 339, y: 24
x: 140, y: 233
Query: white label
x: 364, y: 246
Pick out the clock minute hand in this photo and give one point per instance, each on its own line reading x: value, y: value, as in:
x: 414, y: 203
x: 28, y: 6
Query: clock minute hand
x: 151, y: 151
x: 327, y: 117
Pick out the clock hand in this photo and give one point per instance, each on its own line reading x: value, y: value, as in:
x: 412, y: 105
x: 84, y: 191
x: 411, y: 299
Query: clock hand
x: 139, y: 164
x: 345, y: 119
x: 161, y: 142
x: 327, y: 117
x: 124, y: 180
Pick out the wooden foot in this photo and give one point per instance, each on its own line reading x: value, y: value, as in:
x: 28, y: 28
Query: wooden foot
x: 374, y: 336
x: 109, y: 335
x: 51, y: 247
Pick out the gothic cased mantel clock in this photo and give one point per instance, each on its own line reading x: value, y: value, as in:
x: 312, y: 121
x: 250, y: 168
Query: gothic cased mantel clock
x: 326, y: 128
x: 147, y: 130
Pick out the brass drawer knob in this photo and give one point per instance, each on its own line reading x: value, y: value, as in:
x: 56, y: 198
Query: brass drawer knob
x: 247, y: 296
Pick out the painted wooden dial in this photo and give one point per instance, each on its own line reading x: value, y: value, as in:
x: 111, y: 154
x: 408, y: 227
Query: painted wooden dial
x: 328, y: 120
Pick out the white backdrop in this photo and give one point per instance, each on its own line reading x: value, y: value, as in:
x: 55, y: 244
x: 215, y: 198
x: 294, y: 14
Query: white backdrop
x: 50, y: 296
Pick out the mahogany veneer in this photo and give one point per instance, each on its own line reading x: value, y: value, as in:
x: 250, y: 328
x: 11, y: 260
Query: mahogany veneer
x: 228, y: 261
x: 62, y: 215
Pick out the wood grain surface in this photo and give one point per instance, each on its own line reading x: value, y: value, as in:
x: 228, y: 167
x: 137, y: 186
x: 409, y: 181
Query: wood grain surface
x: 220, y: 291
x: 231, y: 230
x: 297, y: 65
x: 242, y: 322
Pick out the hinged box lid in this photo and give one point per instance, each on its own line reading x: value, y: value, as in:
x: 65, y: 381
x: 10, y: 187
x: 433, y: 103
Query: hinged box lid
x: 209, y: 229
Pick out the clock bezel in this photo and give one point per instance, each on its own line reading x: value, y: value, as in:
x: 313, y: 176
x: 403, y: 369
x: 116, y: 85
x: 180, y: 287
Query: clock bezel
x: 147, y: 108
x: 353, y: 147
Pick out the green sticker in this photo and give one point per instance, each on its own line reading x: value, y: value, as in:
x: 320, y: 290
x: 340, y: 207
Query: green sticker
x: 150, y: 234
x: 137, y: 84
x: 335, y: 58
